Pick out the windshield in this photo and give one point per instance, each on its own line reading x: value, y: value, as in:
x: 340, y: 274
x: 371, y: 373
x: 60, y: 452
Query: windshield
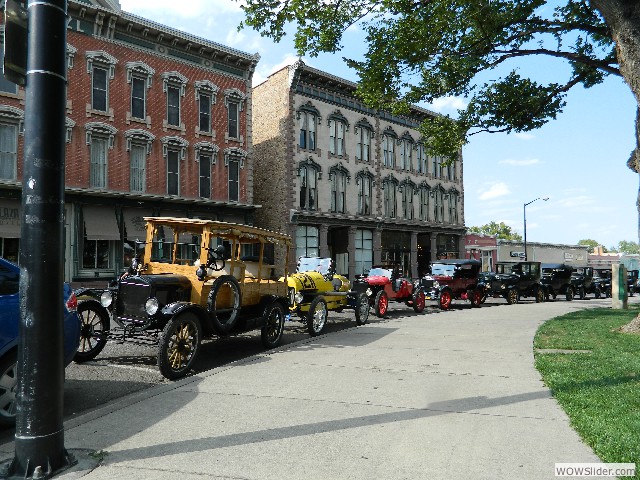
x: 314, y: 264
x: 443, y: 269
x: 380, y: 272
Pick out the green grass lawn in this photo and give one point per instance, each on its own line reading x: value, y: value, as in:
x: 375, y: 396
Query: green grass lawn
x: 600, y: 391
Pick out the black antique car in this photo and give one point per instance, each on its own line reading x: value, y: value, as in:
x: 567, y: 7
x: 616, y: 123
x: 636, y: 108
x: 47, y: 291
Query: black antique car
x: 512, y: 281
x: 454, y: 279
x: 556, y: 280
x: 585, y: 282
x: 192, y: 279
x: 632, y: 281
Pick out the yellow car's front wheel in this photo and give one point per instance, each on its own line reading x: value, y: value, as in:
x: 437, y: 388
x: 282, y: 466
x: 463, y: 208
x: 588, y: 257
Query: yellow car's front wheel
x: 317, y: 316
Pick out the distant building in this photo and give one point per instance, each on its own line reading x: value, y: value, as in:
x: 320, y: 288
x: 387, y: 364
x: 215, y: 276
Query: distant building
x: 158, y: 123
x: 350, y: 182
x: 513, y: 251
x: 482, y: 247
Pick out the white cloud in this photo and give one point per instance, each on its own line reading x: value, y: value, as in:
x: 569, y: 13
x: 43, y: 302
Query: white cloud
x: 519, y: 163
x: 496, y: 190
x: 524, y: 136
x: 171, y: 8
x: 264, y: 69
x: 448, y: 103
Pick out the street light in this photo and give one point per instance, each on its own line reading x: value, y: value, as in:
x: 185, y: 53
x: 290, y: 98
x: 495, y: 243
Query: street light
x: 525, y: 223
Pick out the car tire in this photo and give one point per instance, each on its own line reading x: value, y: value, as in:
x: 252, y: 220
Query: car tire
x: 570, y: 294
x: 476, y: 298
x: 445, y: 299
x: 419, y: 301
x: 581, y: 293
x: 512, y: 296
x: 94, y: 328
x: 8, y: 385
x: 631, y: 291
x: 317, y: 316
x: 539, y: 295
x: 597, y: 292
x: 362, y: 309
x: 224, y: 319
x: 381, y: 304
x: 271, y: 332
x: 179, y: 345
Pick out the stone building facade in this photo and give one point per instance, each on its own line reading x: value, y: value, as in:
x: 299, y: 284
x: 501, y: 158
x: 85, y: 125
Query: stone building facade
x: 349, y: 182
x: 158, y: 123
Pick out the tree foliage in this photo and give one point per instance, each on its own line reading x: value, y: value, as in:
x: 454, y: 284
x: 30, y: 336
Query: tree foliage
x: 500, y: 230
x: 592, y: 244
x: 421, y: 50
x: 628, y: 247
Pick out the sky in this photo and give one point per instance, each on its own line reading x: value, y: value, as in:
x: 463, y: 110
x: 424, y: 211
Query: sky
x: 578, y: 160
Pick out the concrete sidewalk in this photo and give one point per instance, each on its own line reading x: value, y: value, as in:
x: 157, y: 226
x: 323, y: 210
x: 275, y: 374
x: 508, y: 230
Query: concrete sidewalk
x: 452, y: 395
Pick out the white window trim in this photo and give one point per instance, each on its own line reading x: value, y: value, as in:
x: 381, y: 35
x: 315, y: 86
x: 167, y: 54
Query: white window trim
x: 139, y: 136
x: 206, y: 148
x: 102, y: 129
x: 174, y: 143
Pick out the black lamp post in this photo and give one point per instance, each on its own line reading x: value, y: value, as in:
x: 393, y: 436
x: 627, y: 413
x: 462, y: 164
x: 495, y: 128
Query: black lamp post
x: 525, y: 223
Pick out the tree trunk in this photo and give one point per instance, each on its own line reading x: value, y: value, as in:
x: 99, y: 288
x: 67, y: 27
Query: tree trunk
x: 623, y: 17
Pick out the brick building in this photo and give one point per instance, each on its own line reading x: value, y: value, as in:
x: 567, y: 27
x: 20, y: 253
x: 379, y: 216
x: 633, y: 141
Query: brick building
x: 158, y: 123
x: 349, y: 182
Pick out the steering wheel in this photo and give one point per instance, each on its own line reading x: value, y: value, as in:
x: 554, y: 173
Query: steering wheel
x: 215, y: 260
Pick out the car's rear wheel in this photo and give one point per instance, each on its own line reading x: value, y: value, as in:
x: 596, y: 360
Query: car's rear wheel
x: 476, y: 298
x: 539, y: 295
x: 512, y: 296
x: 597, y: 292
x: 362, y: 309
x: 445, y: 300
x: 381, y: 304
x: 224, y: 303
x: 8, y: 385
x: 271, y: 333
x: 570, y: 294
x: 418, y: 301
x: 179, y: 345
x: 317, y: 316
x: 581, y: 293
x: 94, y: 327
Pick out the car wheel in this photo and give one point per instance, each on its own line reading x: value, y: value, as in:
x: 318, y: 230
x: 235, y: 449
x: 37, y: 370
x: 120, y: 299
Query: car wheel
x: 512, y: 296
x: 476, y: 298
x: 317, y: 316
x: 179, y: 345
x: 94, y: 327
x: 362, y: 309
x: 224, y: 303
x: 271, y: 332
x: 445, y: 300
x: 570, y: 294
x: 381, y: 303
x: 631, y: 291
x: 8, y: 385
x: 418, y: 301
x: 597, y: 292
x: 581, y: 293
x: 539, y: 295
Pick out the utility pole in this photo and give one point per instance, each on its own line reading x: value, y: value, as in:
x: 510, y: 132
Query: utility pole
x: 39, y: 438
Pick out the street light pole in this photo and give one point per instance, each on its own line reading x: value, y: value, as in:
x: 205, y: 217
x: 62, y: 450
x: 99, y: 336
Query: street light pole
x: 525, y: 222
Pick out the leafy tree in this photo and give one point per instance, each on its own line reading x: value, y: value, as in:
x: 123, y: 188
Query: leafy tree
x: 625, y: 246
x: 500, y: 230
x: 591, y: 244
x: 420, y: 50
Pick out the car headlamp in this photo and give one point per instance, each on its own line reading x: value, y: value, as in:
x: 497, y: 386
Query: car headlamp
x: 436, y: 285
x: 298, y: 297
x: 106, y: 299
x: 369, y: 292
x: 151, y: 306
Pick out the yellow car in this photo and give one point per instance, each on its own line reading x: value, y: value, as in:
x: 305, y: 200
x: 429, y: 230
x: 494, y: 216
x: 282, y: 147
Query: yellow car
x: 315, y: 289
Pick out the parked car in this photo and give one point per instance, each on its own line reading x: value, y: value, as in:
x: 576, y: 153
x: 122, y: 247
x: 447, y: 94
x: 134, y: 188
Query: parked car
x: 513, y: 281
x: 556, y: 280
x: 586, y: 282
x: 632, y: 281
x: 9, y: 325
x: 315, y: 289
x: 384, y: 284
x: 455, y: 279
x: 194, y: 279
x: 604, y: 274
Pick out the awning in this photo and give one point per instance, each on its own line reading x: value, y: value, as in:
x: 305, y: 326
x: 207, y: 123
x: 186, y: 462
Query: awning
x: 100, y: 223
x: 135, y: 224
x: 10, y: 213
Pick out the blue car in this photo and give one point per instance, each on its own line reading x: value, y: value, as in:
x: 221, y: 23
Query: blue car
x: 9, y: 324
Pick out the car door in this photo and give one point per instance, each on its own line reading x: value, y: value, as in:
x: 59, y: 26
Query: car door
x: 9, y: 307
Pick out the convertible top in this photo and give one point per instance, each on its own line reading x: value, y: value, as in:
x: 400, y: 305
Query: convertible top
x: 562, y: 266
x: 459, y: 261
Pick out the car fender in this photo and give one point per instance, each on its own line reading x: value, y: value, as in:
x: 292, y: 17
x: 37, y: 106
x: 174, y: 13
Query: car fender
x: 174, y: 309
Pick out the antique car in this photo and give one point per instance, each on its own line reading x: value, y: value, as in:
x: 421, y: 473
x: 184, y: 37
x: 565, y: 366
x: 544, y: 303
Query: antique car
x: 604, y: 276
x: 315, y: 289
x: 556, y: 280
x: 192, y: 279
x: 512, y: 281
x: 455, y: 279
x: 9, y: 336
x: 632, y: 282
x: 586, y: 282
x: 384, y: 284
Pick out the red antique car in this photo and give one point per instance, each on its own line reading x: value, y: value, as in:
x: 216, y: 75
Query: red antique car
x: 454, y: 279
x: 385, y: 284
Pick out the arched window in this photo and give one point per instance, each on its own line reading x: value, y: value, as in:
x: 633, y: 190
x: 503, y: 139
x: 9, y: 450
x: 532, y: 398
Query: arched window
x: 339, y: 177
x: 424, y: 193
x: 364, y: 131
x: 338, y: 126
x: 308, y: 117
x: 406, y: 150
x: 364, y: 182
x: 407, y: 187
x: 389, y: 189
x: 309, y: 173
x: 389, y: 139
